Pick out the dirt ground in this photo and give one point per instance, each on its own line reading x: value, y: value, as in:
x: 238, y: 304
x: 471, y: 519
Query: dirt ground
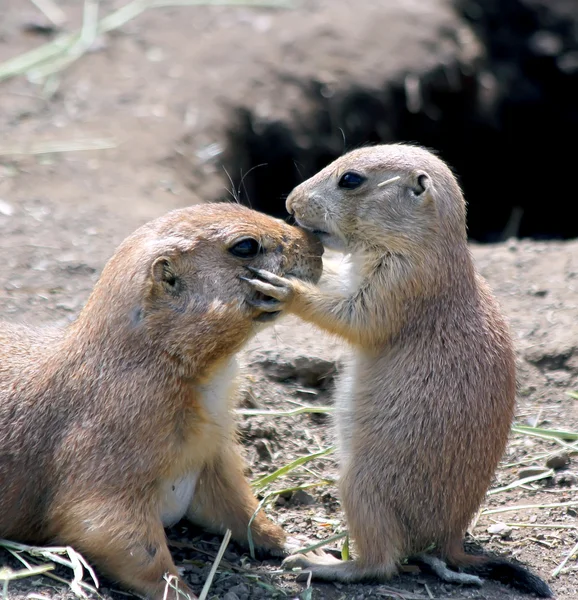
x: 158, y: 91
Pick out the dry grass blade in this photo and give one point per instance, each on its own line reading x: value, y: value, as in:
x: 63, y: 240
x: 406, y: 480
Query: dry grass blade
x: 550, y: 433
x: 220, y: 553
x: 75, y: 50
x: 51, y: 11
x: 173, y: 583
x: 8, y: 574
x: 76, y: 563
x: 267, y: 479
x: 323, y: 543
x: 520, y: 482
x: 67, y: 48
x: 495, y: 511
x: 559, y: 568
x: 55, y: 147
x: 542, y: 525
x: 345, y: 549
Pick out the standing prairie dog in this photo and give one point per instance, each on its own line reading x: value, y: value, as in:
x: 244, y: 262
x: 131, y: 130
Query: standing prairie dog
x: 120, y: 424
x: 426, y: 402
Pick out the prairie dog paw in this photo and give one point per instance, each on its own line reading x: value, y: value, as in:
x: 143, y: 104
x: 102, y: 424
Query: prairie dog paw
x: 291, y: 545
x: 295, y: 561
x: 308, y: 560
x: 271, y: 285
x: 294, y: 543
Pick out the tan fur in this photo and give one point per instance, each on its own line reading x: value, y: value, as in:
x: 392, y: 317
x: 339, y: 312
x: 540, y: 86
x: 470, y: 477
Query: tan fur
x: 426, y: 403
x: 99, y: 422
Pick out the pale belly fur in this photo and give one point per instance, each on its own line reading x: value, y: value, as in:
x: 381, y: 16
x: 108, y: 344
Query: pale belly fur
x: 344, y: 274
x: 177, y: 495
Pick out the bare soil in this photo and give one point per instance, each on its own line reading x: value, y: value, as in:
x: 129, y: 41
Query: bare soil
x: 160, y: 88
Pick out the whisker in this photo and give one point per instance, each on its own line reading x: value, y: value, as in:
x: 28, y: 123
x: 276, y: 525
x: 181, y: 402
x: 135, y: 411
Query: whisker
x: 232, y: 190
x: 344, y: 142
x: 242, y: 183
x: 299, y: 170
x: 388, y: 181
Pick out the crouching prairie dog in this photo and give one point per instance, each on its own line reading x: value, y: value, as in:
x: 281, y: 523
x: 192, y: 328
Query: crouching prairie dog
x: 120, y: 424
x: 425, y: 405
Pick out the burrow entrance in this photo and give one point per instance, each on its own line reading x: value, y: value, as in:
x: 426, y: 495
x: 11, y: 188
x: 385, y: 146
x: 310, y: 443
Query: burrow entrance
x: 509, y: 130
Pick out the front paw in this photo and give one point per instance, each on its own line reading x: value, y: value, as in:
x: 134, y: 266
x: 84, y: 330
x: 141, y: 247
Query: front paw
x: 271, y: 285
x: 309, y: 559
x: 296, y: 561
x: 292, y: 544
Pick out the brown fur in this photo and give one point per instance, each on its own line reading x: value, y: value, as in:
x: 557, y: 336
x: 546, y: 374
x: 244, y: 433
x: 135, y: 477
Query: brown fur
x: 99, y: 420
x: 426, y: 404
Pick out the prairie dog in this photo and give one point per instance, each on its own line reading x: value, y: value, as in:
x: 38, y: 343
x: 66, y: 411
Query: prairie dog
x: 425, y: 406
x: 120, y: 424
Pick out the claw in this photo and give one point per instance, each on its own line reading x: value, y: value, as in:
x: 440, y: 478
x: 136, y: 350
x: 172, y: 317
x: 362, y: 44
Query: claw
x: 268, y: 289
x: 268, y: 276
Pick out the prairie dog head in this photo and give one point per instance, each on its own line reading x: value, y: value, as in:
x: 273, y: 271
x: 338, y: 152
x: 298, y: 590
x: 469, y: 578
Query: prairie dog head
x: 184, y: 269
x: 393, y: 198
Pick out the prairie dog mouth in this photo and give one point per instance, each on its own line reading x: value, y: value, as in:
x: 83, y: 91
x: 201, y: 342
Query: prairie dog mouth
x: 329, y: 240
x: 265, y: 317
x: 312, y: 229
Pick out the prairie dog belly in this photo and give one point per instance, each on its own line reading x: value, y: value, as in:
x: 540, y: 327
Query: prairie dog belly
x: 177, y: 495
x: 345, y: 405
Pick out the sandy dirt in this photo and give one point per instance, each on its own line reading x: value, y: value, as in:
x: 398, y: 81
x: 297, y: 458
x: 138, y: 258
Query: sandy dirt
x: 159, y: 91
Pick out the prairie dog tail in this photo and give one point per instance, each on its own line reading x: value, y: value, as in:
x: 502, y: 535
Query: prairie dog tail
x: 489, y: 567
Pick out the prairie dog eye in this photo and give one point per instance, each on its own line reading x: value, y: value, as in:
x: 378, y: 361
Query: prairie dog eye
x: 351, y: 180
x: 246, y: 248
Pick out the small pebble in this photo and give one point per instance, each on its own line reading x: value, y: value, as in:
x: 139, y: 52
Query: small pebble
x: 558, y: 461
x: 501, y: 529
x: 531, y: 471
x: 302, y: 497
x: 263, y: 451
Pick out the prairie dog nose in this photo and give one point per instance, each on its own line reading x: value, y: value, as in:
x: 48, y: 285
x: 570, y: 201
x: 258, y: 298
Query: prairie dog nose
x: 289, y: 205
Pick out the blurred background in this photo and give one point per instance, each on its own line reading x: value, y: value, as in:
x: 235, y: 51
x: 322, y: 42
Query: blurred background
x: 147, y: 99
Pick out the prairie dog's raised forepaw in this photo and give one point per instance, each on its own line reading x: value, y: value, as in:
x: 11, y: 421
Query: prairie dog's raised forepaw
x: 271, y: 285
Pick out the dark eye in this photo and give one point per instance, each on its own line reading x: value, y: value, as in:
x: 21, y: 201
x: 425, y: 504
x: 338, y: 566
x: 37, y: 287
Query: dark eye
x: 351, y: 180
x: 246, y: 248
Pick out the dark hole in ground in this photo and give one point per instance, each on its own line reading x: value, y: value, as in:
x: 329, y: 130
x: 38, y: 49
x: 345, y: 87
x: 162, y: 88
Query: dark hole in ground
x: 509, y: 130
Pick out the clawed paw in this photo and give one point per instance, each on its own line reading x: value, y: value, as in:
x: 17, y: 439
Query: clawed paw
x: 295, y: 561
x: 264, y: 303
x: 308, y: 560
x: 271, y: 285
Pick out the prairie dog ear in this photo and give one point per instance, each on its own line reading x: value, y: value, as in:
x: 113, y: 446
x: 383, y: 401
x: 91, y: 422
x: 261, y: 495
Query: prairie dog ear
x: 420, y: 183
x: 163, y: 273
